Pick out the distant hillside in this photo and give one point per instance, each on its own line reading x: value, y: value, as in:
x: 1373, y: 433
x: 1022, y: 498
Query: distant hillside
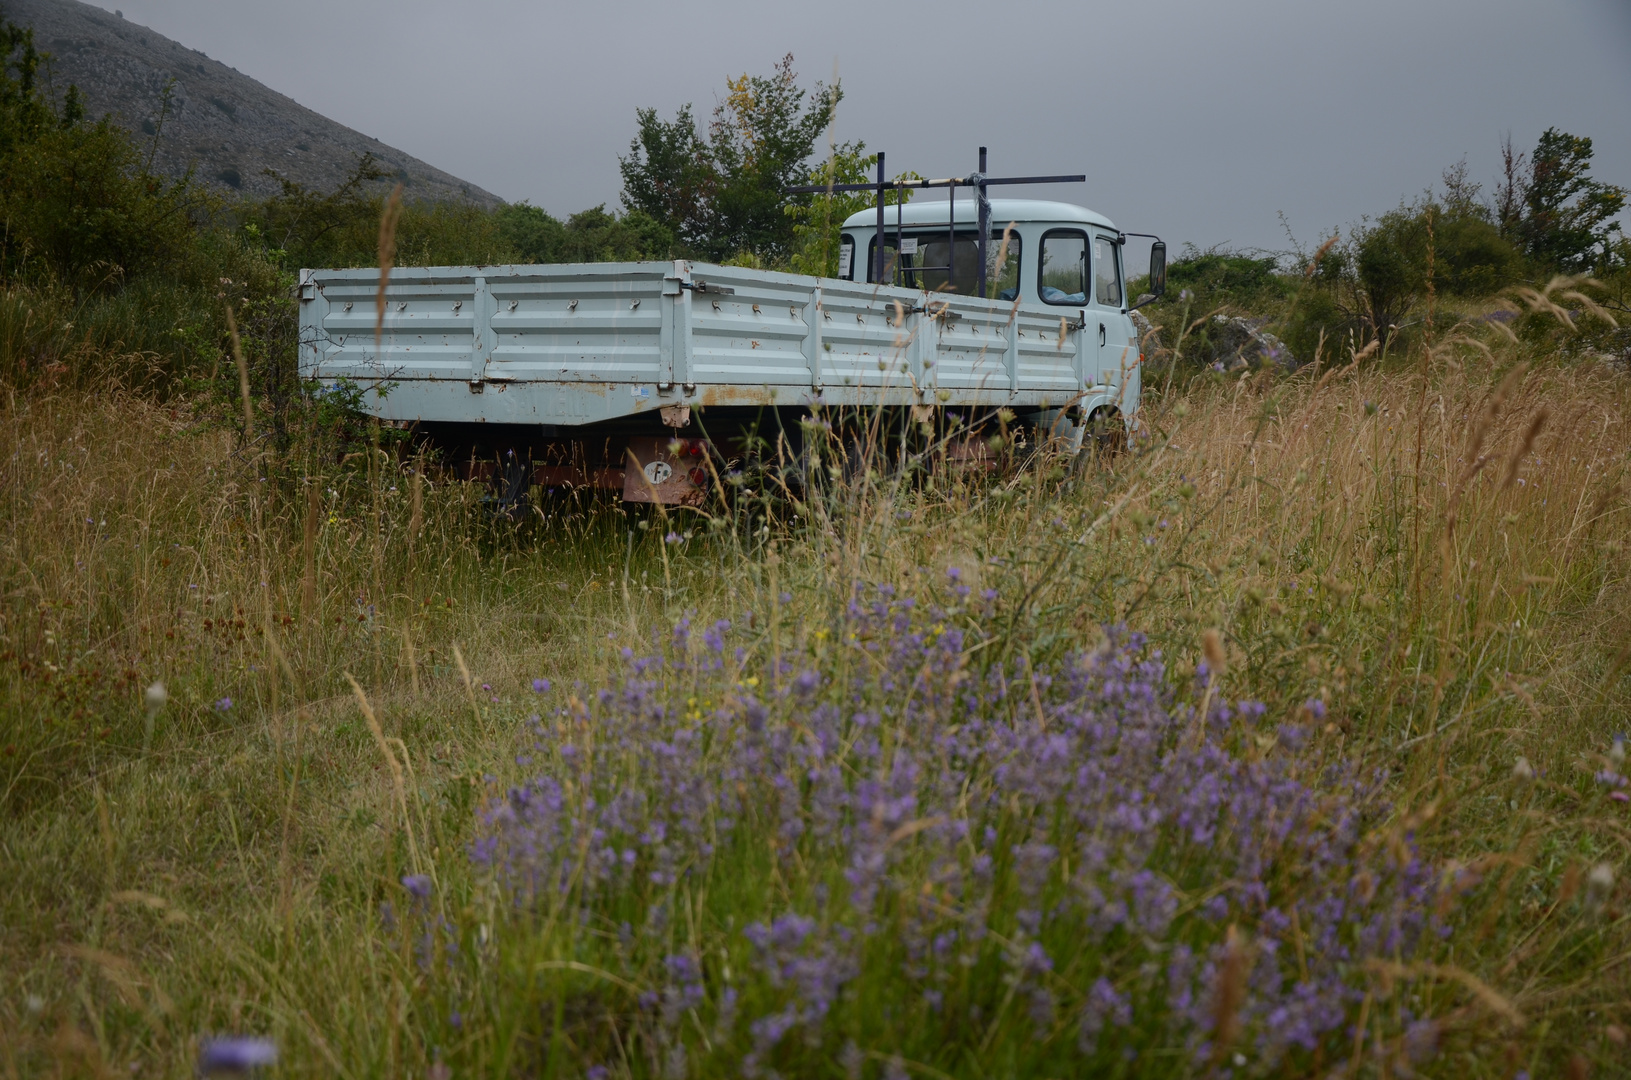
x: 225, y: 125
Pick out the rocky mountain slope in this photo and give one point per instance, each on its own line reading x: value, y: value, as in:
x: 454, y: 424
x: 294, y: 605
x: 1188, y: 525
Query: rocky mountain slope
x: 224, y: 125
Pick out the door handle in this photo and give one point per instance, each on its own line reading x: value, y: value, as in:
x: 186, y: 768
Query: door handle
x: 1101, y: 333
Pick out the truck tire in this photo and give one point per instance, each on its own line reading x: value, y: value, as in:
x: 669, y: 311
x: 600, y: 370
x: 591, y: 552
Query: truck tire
x: 1107, y: 432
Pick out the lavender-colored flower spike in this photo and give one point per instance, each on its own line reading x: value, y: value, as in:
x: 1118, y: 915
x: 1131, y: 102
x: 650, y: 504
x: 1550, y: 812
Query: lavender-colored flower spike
x: 1116, y: 781
x: 540, y: 686
x: 235, y: 1055
x: 417, y: 884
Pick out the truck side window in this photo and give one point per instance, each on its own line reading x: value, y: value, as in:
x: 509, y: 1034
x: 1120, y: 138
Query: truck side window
x: 923, y: 263
x: 869, y: 272
x: 1003, y: 279
x: 931, y: 252
x: 1062, y: 274
x: 1107, y: 277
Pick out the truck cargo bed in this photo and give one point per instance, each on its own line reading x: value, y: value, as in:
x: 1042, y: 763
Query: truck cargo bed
x: 568, y: 346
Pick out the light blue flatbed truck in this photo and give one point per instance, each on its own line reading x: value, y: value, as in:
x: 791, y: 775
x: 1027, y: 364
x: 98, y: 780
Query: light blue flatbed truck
x: 633, y: 376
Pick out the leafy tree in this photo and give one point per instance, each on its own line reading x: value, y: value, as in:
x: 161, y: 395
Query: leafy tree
x: 75, y: 201
x: 1553, y: 208
x: 669, y: 175
x: 1390, y: 262
x: 1453, y: 233
x: 25, y: 113
x: 725, y: 194
x: 818, y: 223
x: 301, y: 227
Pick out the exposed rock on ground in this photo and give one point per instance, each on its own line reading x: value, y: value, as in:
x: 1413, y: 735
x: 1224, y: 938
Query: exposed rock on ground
x: 1228, y: 342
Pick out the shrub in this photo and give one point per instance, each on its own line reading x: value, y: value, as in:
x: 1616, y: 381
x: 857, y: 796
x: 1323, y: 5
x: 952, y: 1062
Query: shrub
x: 1218, y: 277
x: 76, y: 203
x: 593, y: 235
x: 878, y: 843
x: 1319, y: 324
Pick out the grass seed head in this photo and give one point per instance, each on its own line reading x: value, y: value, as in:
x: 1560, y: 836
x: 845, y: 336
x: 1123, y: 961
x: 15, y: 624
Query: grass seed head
x: 1599, y: 884
x: 1212, y: 647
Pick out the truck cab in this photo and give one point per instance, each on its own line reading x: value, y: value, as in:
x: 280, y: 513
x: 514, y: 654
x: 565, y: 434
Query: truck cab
x: 1053, y: 255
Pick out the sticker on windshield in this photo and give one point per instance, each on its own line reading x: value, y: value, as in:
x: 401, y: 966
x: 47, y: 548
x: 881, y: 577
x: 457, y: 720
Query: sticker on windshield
x: 845, y: 252
x: 908, y: 245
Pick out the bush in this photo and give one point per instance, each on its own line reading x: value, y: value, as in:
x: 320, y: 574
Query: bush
x: 77, y: 205
x: 1319, y: 327
x: 1469, y: 258
x: 1218, y: 278
x: 1046, y: 873
x: 592, y: 235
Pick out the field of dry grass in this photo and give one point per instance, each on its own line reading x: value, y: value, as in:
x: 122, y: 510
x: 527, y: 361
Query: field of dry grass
x: 1428, y: 565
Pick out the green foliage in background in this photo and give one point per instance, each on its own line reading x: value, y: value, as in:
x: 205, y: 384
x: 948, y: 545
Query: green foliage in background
x: 1450, y: 254
x: 592, y: 235
x: 77, y: 203
x: 1217, y: 277
x: 1556, y: 211
x: 725, y: 193
x: 818, y: 222
x: 115, y: 273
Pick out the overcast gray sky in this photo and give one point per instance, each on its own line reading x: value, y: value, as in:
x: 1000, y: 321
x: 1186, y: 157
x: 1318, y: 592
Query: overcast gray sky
x: 1200, y: 120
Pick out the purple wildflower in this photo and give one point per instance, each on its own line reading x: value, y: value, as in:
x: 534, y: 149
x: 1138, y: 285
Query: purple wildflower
x: 992, y: 820
x: 235, y: 1054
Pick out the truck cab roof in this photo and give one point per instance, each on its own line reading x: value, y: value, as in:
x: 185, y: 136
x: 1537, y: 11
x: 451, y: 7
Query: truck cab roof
x: 1002, y: 212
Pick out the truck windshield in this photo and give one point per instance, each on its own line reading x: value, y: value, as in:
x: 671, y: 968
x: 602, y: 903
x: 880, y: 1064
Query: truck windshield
x: 921, y: 253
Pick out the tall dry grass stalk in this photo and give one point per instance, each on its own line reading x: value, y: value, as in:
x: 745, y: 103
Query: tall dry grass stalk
x: 308, y: 554
x: 243, y: 378
x: 398, y: 781
x: 416, y: 503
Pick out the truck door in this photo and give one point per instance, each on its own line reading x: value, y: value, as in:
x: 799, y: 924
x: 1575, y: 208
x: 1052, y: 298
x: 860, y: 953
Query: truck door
x: 1109, y: 330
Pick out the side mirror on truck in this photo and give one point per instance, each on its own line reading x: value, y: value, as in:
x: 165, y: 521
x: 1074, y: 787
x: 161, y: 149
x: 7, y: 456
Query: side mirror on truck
x: 1158, y: 273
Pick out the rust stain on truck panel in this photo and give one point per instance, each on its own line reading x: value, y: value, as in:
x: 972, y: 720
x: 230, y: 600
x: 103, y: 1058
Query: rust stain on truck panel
x: 737, y: 395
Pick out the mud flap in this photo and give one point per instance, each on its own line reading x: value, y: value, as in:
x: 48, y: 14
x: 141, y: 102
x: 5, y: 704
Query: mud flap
x: 667, y: 469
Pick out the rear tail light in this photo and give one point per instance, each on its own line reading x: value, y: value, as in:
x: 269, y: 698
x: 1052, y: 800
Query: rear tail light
x: 699, y: 477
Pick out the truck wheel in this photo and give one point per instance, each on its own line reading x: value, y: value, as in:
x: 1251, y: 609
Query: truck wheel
x: 1108, y: 431
x: 513, y: 481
